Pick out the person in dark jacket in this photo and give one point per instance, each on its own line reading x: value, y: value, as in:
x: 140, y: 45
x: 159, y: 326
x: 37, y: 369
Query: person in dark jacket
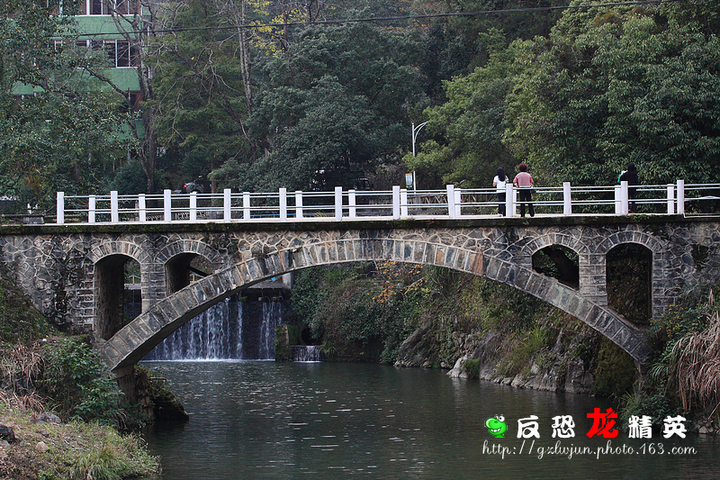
x: 631, y: 176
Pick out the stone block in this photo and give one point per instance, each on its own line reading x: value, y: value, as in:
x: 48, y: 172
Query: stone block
x: 419, y: 252
x: 429, y: 254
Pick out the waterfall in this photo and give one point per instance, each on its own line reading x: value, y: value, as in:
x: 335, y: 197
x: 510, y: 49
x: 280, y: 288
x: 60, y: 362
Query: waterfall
x: 305, y: 353
x: 230, y: 330
x: 271, y: 313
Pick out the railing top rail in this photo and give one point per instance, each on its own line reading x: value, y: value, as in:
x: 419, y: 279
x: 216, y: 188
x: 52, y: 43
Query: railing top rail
x: 451, y: 202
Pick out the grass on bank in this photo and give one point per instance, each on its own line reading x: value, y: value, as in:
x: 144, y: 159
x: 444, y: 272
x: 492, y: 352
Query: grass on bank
x: 43, y: 371
x: 74, y: 450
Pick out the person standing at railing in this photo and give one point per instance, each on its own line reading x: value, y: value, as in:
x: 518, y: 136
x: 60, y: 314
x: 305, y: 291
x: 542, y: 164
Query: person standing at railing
x: 524, y: 182
x: 499, y: 182
x: 631, y: 176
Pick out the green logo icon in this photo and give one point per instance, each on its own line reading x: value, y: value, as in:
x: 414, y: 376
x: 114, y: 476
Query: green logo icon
x: 496, y: 426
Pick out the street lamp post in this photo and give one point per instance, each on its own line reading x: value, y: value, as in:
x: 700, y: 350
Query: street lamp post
x: 415, y: 131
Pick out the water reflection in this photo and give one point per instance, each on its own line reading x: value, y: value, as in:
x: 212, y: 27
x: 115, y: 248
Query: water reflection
x: 328, y: 421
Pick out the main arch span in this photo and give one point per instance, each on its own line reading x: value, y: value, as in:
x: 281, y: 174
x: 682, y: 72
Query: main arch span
x: 71, y: 272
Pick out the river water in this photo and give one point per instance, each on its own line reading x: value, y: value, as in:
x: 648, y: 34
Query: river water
x: 268, y: 420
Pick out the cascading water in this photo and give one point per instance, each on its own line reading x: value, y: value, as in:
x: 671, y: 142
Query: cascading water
x: 305, y: 353
x: 230, y: 330
x: 271, y: 313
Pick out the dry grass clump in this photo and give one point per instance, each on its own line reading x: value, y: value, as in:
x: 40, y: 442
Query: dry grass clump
x: 20, y: 362
x: 697, y: 367
x: 31, y: 402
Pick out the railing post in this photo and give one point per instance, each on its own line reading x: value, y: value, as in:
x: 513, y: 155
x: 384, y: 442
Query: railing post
x: 283, y: 204
x: 624, y: 198
x: 246, y: 205
x: 142, y: 208
x: 352, y: 204
x: 60, y: 208
x: 338, y: 203
x: 114, y: 212
x: 193, y: 206
x: 167, y: 205
x: 91, y: 209
x: 509, y: 200
x: 403, y: 203
x: 618, y: 208
x: 227, y: 204
x: 458, y: 202
x: 451, y: 200
x: 298, y: 204
x: 396, y: 202
x: 681, y: 197
x: 567, y: 199
x: 670, y: 199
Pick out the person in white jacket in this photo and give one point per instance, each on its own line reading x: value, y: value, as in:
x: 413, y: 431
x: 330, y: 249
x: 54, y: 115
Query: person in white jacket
x: 499, y: 182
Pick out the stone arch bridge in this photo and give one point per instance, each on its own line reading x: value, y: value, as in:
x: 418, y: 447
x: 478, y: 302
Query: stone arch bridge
x: 74, y: 273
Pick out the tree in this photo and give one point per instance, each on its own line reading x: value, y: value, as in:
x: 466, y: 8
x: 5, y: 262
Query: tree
x: 618, y: 85
x: 133, y: 22
x: 466, y: 146
x: 53, y: 133
x: 332, y: 107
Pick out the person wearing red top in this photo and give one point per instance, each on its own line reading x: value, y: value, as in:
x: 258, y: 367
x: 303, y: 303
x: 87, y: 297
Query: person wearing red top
x: 524, y: 182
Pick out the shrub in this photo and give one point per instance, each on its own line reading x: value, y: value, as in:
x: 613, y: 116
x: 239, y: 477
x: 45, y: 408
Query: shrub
x: 615, y: 371
x: 656, y: 406
x: 78, y: 382
x: 471, y: 368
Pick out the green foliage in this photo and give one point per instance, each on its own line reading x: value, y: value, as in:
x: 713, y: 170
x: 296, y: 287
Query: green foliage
x: 616, y: 85
x: 471, y: 367
x: 200, y: 86
x: 628, y: 286
x: 614, y: 372
x: 330, y: 109
x: 656, y: 406
x: 57, y: 135
x: 466, y: 146
x: 110, y: 460
x: 523, y: 346
x: 357, y: 317
x: 505, y: 309
x: 76, y: 450
x: 77, y: 381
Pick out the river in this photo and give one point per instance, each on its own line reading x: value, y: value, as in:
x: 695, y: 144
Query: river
x: 268, y: 420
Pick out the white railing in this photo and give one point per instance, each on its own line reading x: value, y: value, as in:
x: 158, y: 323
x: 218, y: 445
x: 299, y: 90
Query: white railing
x: 394, y: 204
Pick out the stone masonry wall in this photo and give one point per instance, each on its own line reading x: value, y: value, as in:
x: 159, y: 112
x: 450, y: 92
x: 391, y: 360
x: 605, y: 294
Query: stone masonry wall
x: 56, y: 265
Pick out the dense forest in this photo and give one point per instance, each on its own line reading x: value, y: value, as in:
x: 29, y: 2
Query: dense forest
x: 258, y: 94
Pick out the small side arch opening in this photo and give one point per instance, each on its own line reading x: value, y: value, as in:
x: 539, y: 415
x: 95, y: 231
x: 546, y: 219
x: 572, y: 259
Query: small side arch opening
x: 558, y: 262
x: 184, y: 268
x: 117, y: 293
x: 629, y: 281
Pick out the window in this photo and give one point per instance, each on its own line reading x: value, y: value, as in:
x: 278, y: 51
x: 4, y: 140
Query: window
x: 107, y: 7
x: 123, y: 53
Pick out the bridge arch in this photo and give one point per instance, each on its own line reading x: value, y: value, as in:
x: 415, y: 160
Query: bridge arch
x: 659, y: 267
x: 109, y: 259
x: 177, y: 258
x: 119, y: 247
x: 564, y: 241
x: 109, y: 293
x: 461, y: 253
